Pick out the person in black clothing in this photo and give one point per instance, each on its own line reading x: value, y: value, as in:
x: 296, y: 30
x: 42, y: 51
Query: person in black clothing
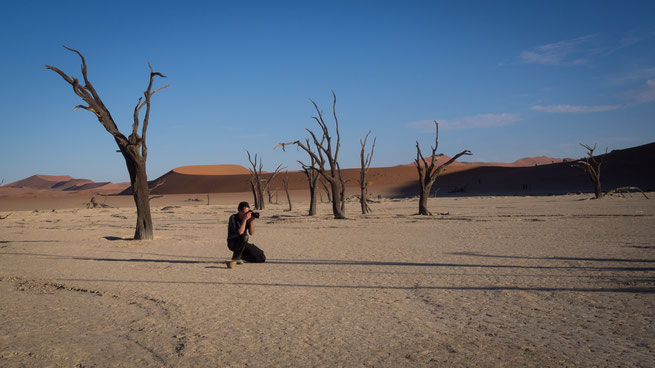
x: 238, y: 227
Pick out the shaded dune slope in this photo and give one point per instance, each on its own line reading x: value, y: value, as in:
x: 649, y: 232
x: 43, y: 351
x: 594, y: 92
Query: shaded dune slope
x: 628, y: 167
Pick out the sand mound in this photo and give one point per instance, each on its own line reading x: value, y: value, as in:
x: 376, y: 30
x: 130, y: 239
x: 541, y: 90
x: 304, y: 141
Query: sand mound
x: 40, y: 182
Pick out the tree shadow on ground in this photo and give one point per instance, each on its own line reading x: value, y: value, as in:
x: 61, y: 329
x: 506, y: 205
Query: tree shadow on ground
x: 635, y: 290
x: 114, y: 238
x: 319, y: 262
x: 474, y: 254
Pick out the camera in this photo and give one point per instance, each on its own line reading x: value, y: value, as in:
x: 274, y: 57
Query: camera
x: 254, y: 214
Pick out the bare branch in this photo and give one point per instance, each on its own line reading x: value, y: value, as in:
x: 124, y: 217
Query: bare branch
x: 147, y: 94
x: 157, y: 186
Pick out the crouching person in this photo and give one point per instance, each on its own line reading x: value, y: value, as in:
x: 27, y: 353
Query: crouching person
x: 239, y: 226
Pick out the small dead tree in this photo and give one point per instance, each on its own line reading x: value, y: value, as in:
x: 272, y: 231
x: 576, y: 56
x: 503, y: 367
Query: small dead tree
x: 258, y: 183
x: 366, y: 164
x: 133, y: 148
x: 427, y: 173
x: 286, y: 189
x: 592, y: 165
x: 326, y: 152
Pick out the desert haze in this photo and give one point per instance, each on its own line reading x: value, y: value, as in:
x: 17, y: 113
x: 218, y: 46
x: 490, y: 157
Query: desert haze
x: 503, y: 274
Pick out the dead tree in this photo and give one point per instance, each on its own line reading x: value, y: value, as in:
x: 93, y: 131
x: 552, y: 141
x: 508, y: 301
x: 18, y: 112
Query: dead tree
x: 133, y: 148
x: 94, y: 204
x: 286, y: 189
x: 592, y: 165
x: 258, y: 183
x: 366, y: 164
x: 326, y: 152
x: 427, y: 173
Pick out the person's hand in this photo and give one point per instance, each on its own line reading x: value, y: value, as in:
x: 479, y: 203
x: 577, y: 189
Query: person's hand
x: 248, y: 216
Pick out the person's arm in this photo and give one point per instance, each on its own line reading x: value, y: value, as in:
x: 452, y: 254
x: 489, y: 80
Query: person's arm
x: 251, y: 226
x: 246, y: 223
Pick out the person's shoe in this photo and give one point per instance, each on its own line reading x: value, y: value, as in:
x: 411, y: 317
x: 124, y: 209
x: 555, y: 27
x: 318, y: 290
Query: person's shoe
x: 239, y: 261
x: 231, y: 264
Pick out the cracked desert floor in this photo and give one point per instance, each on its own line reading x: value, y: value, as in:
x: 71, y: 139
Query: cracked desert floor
x: 486, y: 281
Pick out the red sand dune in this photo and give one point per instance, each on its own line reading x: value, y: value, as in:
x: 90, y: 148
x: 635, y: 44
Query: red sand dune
x: 628, y: 167
x: 39, y: 182
x: 44, y: 185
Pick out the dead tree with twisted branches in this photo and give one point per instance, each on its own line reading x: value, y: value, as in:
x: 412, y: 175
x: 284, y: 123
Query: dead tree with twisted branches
x: 325, y: 151
x: 592, y: 165
x: 427, y: 173
x: 133, y: 148
x: 366, y: 164
x: 258, y: 184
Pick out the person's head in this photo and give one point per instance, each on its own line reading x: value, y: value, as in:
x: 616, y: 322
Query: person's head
x: 243, y: 207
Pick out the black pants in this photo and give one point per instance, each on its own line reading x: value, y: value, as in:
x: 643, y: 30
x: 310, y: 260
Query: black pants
x: 243, y: 250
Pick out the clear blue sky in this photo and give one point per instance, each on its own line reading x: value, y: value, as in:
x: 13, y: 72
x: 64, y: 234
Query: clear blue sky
x: 506, y: 79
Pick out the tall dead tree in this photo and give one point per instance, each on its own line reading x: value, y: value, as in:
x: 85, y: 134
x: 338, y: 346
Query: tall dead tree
x: 366, y: 164
x: 257, y: 181
x: 592, y: 165
x: 133, y: 148
x: 326, y: 152
x: 427, y: 173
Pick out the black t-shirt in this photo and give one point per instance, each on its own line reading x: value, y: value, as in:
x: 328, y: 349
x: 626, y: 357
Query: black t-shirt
x: 233, y: 225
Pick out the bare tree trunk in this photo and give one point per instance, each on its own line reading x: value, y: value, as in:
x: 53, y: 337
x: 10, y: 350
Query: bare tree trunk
x: 366, y: 164
x: 338, y: 200
x: 327, y: 190
x: 428, y: 173
x: 424, y: 194
x: 255, y: 205
x: 312, y: 201
x: 286, y: 189
x: 312, y: 177
x: 133, y: 148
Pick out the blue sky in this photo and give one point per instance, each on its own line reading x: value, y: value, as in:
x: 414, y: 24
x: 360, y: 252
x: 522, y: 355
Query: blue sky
x: 505, y: 79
